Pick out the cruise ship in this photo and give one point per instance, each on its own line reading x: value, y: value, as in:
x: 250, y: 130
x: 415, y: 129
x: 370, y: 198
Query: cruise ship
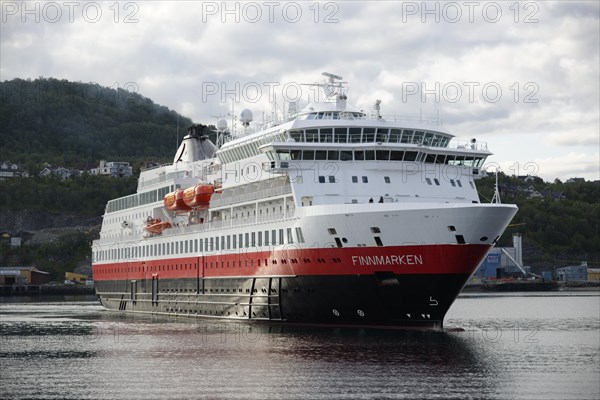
x: 329, y: 215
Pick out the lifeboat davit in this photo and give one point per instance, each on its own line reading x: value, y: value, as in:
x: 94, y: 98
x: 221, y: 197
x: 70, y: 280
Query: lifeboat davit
x: 156, y: 226
x: 174, y: 201
x: 198, y: 197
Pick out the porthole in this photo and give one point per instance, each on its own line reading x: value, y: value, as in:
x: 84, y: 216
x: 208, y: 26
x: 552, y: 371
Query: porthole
x: 483, y: 238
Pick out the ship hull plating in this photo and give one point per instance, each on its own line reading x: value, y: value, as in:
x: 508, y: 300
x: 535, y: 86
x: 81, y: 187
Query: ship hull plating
x: 381, y: 299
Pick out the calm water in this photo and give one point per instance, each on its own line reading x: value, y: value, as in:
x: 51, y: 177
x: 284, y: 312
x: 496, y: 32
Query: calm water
x: 512, y: 347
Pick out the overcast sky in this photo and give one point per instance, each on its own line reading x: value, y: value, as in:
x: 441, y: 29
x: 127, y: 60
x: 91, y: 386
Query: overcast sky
x: 523, y: 77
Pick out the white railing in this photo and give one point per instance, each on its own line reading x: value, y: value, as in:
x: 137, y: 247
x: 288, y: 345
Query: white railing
x: 411, y: 118
x: 219, y: 200
x: 169, y: 176
x: 229, y: 223
x: 468, y: 145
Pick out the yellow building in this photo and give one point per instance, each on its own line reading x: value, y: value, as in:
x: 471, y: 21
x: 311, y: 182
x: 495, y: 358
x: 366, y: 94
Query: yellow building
x: 594, y: 274
x: 77, y: 278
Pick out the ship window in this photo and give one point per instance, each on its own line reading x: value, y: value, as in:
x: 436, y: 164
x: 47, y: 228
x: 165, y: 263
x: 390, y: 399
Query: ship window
x: 341, y: 135
x: 295, y: 154
x: 394, y: 136
x: 308, y: 155
x: 320, y: 155
x: 437, y: 182
x: 428, y: 139
x: 440, y: 159
x: 407, y: 136
x: 186, y: 247
x: 369, y: 155
x: 382, y: 135
x: 375, y: 229
x: 266, y: 238
x: 299, y: 235
x: 273, y: 237
x: 355, y: 134
x: 459, y: 183
x: 428, y: 181
x: 312, y: 135
x: 410, y: 156
x: 290, y: 239
x: 253, y: 239
x: 452, y: 182
x: 281, y: 236
x: 430, y: 158
x: 368, y: 135
x: 418, y: 137
x: 260, y: 238
x: 196, y: 245
x: 298, y: 136
x: 378, y: 240
x: 365, y: 179
x: 383, y: 155
x: 331, y: 231
x: 460, y: 239
x: 321, y: 179
x: 326, y: 135
x: 345, y: 155
x: 386, y: 179
x: 359, y: 155
x: 451, y: 228
x: 331, y: 179
x: 333, y: 155
x: 396, y: 155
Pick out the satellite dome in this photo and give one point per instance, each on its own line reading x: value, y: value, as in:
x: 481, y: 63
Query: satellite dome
x: 246, y: 116
x: 222, y: 124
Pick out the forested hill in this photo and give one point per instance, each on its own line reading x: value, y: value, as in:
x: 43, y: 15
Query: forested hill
x: 72, y: 124
x: 559, y: 222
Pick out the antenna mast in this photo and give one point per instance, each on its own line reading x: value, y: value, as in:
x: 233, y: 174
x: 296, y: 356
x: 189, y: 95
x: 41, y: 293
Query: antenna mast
x: 496, y: 198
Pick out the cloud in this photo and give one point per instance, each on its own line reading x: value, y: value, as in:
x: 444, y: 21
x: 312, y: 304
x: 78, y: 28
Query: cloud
x: 543, y: 56
x: 565, y: 166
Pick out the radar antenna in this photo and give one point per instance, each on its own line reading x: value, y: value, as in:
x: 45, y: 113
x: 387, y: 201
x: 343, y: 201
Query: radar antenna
x: 333, y: 86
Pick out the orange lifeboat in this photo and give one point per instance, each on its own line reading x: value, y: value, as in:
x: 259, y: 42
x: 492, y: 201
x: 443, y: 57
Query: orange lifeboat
x: 174, y: 201
x: 198, y: 197
x: 156, y: 226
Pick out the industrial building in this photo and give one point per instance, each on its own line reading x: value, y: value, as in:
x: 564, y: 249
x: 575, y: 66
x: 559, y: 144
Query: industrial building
x: 573, y: 273
x: 502, y: 261
x: 23, y: 276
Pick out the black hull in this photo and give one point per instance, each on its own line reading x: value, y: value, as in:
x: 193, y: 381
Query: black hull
x: 383, y: 299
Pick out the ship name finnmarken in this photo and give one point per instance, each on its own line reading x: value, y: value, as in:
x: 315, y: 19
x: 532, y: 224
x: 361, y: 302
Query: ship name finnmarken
x: 406, y: 259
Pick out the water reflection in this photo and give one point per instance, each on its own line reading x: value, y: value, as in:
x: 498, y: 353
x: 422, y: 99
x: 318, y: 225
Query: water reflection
x: 79, y: 350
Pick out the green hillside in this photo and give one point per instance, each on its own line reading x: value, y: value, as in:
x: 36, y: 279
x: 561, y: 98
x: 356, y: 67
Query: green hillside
x: 560, y: 222
x: 73, y: 124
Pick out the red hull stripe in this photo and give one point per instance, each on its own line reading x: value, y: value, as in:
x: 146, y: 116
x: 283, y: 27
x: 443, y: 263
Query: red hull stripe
x: 425, y: 259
